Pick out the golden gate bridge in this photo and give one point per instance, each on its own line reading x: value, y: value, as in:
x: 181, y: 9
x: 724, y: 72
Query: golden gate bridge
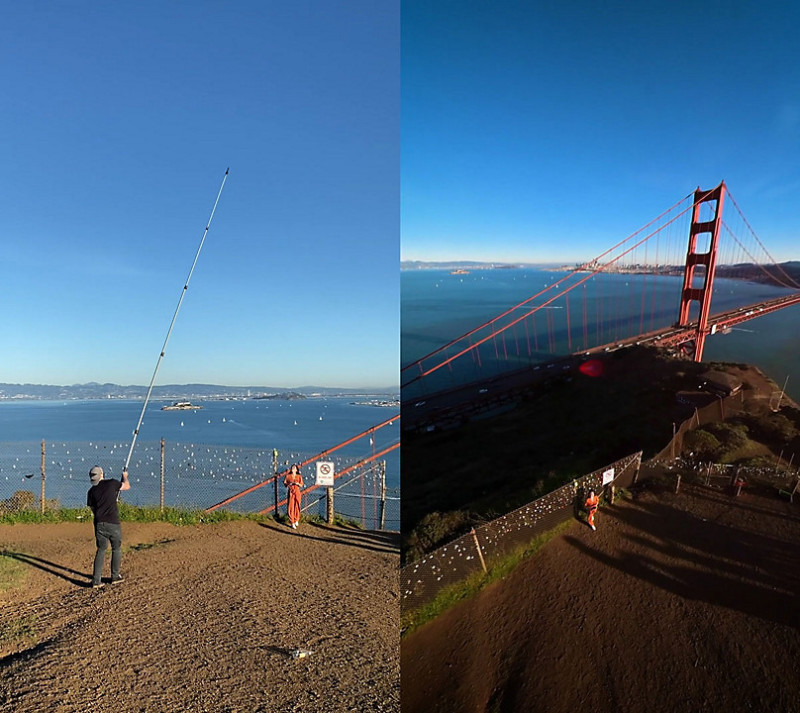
x: 625, y: 296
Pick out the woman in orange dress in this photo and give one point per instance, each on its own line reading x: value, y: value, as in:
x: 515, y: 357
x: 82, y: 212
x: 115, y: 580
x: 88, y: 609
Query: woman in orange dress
x: 591, y: 508
x: 294, y: 482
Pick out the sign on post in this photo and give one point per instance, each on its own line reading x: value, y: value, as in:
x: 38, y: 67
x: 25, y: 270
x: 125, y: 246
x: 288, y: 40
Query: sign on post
x: 324, y: 473
x: 608, y: 476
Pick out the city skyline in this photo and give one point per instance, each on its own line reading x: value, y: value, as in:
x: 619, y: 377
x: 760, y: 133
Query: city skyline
x: 120, y: 122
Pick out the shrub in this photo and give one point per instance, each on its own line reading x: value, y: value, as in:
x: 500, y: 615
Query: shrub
x: 773, y: 428
x: 433, y: 530
x: 731, y: 435
x: 703, y: 444
x: 20, y: 501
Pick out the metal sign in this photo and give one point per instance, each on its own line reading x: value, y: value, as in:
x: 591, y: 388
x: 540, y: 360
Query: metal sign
x: 608, y: 476
x: 324, y: 473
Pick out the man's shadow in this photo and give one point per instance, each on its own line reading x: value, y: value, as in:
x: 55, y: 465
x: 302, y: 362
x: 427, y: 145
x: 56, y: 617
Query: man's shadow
x: 50, y: 567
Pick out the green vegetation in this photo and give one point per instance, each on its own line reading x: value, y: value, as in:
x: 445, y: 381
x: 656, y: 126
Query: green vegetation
x: 12, y: 571
x: 338, y: 521
x: 702, y: 443
x: 749, y: 439
x: 17, y: 630
x: 434, y: 530
x: 26, y: 510
x: 127, y: 513
x: 452, y: 595
x: 176, y: 516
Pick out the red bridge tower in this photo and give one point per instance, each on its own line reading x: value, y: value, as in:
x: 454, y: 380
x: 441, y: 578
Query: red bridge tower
x: 707, y: 260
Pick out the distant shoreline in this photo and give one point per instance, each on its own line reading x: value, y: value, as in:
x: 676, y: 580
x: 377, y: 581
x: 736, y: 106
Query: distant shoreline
x: 361, y: 396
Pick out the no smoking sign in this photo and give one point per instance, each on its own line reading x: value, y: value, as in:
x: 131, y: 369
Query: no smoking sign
x: 324, y: 473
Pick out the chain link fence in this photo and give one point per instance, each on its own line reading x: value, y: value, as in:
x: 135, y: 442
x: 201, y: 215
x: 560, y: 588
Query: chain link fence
x: 718, y: 410
x: 38, y: 476
x: 422, y: 580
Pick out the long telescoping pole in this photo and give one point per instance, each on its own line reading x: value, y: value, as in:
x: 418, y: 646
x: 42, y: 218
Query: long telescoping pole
x: 172, y: 323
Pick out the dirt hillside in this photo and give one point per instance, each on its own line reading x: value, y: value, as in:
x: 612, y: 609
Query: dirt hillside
x: 678, y: 603
x: 205, y: 620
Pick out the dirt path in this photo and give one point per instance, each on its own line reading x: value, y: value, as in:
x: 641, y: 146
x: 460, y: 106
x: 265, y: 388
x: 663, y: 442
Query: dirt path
x: 677, y: 603
x: 204, y: 621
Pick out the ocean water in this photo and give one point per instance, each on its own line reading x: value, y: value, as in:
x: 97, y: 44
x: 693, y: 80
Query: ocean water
x: 437, y: 307
x: 211, y: 453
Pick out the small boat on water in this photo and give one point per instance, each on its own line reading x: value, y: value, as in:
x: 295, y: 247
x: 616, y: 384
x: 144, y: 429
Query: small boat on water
x: 181, y: 406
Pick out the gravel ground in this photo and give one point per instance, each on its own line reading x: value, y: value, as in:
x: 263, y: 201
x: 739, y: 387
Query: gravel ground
x: 678, y: 603
x: 206, y: 620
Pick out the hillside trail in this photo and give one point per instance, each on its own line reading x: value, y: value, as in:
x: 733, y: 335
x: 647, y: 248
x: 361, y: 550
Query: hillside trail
x: 677, y: 603
x: 206, y: 619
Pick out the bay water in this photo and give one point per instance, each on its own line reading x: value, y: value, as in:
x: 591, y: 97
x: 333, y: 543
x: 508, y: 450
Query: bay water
x: 211, y: 453
x: 438, y: 306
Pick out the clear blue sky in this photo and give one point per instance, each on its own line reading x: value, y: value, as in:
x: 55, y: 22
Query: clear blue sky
x: 547, y: 131
x: 118, y: 122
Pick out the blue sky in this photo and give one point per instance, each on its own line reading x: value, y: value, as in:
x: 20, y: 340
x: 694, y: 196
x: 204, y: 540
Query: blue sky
x: 548, y: 131
x: 118, y: 123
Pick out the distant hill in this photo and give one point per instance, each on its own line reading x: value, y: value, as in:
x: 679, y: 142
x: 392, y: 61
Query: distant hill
x: 784, y: 273
x: 457, y: 265
x: 93, y: 390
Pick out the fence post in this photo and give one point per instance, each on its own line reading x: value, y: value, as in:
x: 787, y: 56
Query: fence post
x: 678, y: 484
x: 275, y: 476
x: 329, y: 512
x: 43, y: 473
x: 478, y: 547
x: 382, y: 521
x: 161, y: 500
x: 673, y: 439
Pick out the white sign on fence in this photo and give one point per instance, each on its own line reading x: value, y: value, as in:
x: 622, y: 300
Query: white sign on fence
x: 324, y: 473
x: 608, y: 476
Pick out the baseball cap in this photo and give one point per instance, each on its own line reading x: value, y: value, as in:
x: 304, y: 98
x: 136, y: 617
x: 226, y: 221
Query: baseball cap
x: 96, y: 474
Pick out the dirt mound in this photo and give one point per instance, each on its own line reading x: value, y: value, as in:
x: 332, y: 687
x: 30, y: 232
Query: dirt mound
x: 677, y: 603
x: 205, y: 620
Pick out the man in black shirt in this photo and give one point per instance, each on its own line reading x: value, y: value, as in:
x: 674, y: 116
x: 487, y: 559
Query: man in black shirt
x: 102, y: 499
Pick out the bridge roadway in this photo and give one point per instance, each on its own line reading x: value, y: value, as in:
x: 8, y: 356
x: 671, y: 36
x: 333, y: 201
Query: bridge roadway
x: 453, y: 406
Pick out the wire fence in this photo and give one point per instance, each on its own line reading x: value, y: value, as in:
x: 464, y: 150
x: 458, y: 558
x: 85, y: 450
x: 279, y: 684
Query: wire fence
x: 422, y: 580
x: 718, y: 410
x: 44, y: 475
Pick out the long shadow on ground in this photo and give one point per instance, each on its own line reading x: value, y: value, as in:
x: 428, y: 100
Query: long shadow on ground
x: 703, y: 560
x: 53, y: 568
x: 383, y: 542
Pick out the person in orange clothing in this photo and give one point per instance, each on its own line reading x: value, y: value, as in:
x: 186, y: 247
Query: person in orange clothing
x: 591, y: 508
x: 294, y: 481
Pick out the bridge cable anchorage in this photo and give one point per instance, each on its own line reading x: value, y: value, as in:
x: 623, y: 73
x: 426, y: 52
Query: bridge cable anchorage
x: 172, y: 323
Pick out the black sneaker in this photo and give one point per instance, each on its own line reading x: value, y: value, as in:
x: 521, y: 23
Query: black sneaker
x: 117, y: 580
x: 97, y: 585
